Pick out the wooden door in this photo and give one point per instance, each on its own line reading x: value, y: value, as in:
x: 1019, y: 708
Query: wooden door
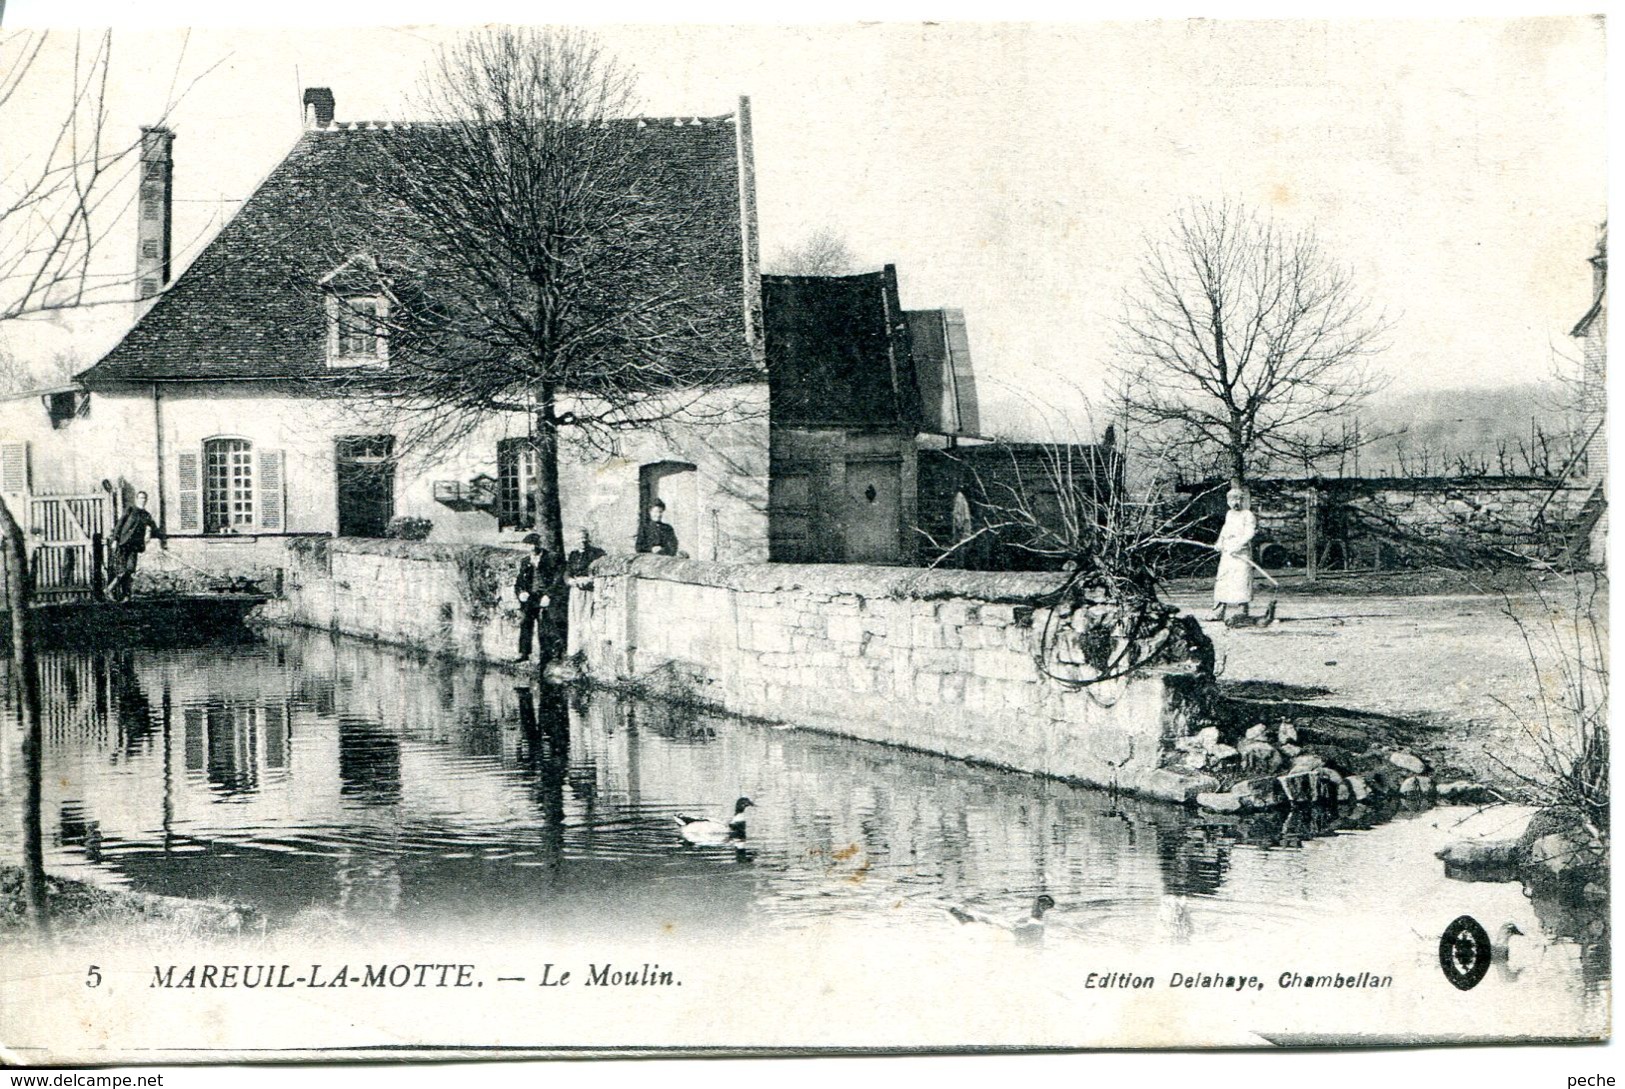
x: 872, y: 517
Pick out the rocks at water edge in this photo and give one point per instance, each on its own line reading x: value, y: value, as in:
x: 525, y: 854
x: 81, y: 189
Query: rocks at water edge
x: 1271, y: 766
x: 1463, y: 792
x: 1555, y: 848
x: 1416, y: 786
x: 1259, y: 756
x: 1407, y: 762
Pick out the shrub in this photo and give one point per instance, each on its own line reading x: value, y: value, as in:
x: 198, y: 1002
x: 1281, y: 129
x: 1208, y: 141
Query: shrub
x: 407, y: 528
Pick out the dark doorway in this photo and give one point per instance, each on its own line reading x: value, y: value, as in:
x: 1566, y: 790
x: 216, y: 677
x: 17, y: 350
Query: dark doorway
x: 366, y: 484
x: 674, y: 484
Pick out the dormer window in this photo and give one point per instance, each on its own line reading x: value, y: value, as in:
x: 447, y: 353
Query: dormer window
x: 356, y: 336
x: 357, y: 315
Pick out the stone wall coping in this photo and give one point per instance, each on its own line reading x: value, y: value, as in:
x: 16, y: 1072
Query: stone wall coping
x: 425, y: 551
x: 903, y: 583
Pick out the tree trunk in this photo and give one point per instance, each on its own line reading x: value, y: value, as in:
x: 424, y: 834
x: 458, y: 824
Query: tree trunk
x: 550, y: 525
x: 545, y: 484
x: 15, y: 559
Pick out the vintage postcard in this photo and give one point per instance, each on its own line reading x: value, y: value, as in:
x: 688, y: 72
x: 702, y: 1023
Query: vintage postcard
x: 533, y: 541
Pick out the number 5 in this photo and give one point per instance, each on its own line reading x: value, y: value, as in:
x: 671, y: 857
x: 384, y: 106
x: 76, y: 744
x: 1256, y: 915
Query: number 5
x: 93, y: 978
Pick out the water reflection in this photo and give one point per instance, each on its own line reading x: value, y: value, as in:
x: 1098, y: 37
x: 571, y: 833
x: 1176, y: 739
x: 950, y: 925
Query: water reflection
x: 309, y: 774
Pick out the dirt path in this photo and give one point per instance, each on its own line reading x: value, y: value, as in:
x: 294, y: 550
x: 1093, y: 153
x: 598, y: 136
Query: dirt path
x: 1456, y: 664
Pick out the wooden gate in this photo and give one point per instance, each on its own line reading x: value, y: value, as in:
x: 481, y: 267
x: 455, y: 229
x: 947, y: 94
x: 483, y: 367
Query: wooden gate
x: 65, y: 534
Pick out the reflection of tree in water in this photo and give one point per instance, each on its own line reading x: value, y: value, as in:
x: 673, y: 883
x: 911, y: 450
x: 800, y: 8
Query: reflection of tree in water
x: 369, y: 762
x: 544, y: 722
x: 481, y: 730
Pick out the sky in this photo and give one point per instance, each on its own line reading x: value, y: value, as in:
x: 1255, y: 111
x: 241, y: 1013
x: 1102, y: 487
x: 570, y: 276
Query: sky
x: 1015, y: 170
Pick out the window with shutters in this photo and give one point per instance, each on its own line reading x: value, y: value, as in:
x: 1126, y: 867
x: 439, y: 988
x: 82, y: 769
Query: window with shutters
x: 228, y: 486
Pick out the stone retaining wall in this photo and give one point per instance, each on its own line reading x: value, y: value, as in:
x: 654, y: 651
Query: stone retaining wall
x: 939, y: 661
x: 455, y: 600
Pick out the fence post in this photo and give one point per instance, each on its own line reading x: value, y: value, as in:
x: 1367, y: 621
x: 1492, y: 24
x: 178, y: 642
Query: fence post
x: 1311, y: 527
x: 97, y: 587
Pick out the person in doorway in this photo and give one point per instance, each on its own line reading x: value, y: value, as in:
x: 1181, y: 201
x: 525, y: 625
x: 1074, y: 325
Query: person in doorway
x: 130, y: 537
x: 655, y: 535
x: 534, y: 588
x: 1233, y: 588
x: 580, y: 561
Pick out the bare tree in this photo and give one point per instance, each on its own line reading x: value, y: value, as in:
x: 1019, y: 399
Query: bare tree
x: 60, y: 200
x: 824, y: 252
x: 58, y: 203
x: 539, y: 252
x: 1240, y: 341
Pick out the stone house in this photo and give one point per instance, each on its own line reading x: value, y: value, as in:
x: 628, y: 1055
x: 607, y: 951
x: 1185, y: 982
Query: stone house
x: 226, y: 400
x: 218, y: 404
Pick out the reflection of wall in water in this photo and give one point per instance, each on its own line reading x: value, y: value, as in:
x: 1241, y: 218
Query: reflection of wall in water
x: 369, y: 762
x: 825, y: 795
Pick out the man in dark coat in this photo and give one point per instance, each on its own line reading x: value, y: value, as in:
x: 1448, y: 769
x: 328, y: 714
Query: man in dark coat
x: 535, y: 588
x: 135, y: 525
x: 655, y: 535
x: 578, y: 562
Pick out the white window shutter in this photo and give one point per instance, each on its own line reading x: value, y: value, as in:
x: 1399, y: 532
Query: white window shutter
x: 332, y: 305
x: 271, y: 497
x: 187, y: 468
x: 14, y: 468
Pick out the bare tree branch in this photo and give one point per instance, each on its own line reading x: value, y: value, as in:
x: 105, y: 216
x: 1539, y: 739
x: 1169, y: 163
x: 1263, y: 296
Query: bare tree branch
x: 1239, y: 341
x: 538, y: 253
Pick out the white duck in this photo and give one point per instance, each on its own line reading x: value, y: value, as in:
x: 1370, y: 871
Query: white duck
x: 1030, y: 929
x: 702, y: 832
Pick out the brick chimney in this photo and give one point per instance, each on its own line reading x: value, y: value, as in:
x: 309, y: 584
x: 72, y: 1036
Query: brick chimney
x: 152, y: 233
x: 318, y: 107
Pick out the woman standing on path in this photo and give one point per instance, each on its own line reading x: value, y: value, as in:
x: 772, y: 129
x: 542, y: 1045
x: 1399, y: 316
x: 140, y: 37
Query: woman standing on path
x: 1233, y: 588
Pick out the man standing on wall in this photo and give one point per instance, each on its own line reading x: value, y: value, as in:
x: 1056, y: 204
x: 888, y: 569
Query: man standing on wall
x: 534, y: 588
x: 654, y: 535
x: 135, y: 525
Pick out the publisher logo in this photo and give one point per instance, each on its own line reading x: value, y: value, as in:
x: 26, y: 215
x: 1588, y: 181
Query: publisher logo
x: 1464, y: 953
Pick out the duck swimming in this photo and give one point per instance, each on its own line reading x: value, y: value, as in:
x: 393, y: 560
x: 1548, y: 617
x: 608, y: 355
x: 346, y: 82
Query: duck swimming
x: 703, y: 832
x: 1029, y: 929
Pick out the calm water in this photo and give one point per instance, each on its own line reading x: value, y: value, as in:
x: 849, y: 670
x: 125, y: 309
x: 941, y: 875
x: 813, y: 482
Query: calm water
x: 319, y: 778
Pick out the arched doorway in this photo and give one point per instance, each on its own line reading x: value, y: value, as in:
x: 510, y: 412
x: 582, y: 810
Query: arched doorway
x: 676, y: 484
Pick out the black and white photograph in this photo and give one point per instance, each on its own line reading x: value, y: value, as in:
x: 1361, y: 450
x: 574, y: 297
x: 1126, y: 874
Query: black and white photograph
x: 552, y: 538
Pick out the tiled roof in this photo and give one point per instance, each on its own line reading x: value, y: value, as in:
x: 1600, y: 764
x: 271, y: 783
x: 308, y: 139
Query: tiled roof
x: 839, y: 351
x: 250, y: 306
